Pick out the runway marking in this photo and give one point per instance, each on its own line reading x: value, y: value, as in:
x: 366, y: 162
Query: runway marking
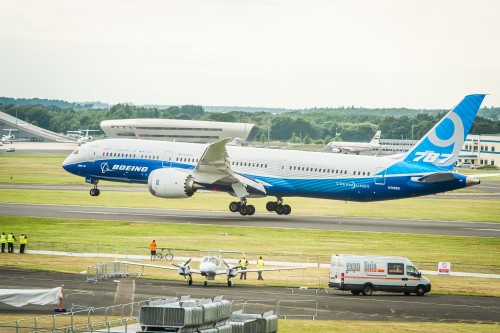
x: 152, y: 215
x: 482, y: 229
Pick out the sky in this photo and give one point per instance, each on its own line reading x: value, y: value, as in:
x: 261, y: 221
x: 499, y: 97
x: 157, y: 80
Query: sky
x: 262, y: 53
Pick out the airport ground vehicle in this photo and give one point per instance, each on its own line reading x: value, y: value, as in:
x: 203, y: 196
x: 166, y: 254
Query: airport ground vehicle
x: 466, y: 165
x: 11, y: 150
x: 365, y: 274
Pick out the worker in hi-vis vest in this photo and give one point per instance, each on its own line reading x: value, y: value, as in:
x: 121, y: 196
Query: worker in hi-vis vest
x: 260, y: 264
x: 152, y: 247
x: 10, y: 242
x: 3, y: 241
x: 243, y: 264
x: 23, y: 240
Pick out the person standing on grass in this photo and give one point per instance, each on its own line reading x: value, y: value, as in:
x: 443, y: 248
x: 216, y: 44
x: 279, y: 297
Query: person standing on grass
x: 260, y: 265
x: 152, y: 247
x: 23, y: 240
x: 10, y: 242
x: 3, y: 241
x: 243, y: 264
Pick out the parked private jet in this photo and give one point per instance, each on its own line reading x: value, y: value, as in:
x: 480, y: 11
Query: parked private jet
x: 83, y: 139
x: 9, y: 137
x: 354, y: 147
x: 210, y: 267
x: 178, y: 170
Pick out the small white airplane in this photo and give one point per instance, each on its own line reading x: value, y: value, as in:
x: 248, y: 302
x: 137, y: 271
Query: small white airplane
x: 82, y: 139
x: 354, y: 147
x: 210, y: 267
x: 9, y: 137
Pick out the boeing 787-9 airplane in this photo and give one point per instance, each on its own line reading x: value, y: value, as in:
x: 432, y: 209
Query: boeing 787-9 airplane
x: 178, y: 170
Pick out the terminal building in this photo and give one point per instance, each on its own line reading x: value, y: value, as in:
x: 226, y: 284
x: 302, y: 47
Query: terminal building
x: 194, y: 131
x: 481, y: 149
x: 24, y: 131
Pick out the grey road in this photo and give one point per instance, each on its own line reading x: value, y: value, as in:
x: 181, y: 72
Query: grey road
x: 480, y: 229
x: 331, y: 306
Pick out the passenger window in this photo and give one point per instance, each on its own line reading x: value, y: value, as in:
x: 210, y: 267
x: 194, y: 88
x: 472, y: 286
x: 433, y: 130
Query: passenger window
x: 395, y: 268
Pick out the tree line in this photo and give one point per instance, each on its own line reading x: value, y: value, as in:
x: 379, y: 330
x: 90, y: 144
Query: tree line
x: 318, y: 125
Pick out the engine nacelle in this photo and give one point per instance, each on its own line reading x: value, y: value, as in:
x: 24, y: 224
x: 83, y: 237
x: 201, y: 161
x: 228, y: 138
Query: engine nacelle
x: 184, y: 270
x: 336, y: 150
x: 232, y: 272
x: 171, y: 183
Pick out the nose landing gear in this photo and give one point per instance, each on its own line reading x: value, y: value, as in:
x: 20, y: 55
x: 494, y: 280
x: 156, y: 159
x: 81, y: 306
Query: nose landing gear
x: 94, y: 192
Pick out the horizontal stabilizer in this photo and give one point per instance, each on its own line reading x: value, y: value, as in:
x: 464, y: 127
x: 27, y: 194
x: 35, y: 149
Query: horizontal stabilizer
x: 438, y: 177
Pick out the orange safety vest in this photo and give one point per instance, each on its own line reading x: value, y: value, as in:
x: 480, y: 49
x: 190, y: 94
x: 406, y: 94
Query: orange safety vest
x: 152, y: 246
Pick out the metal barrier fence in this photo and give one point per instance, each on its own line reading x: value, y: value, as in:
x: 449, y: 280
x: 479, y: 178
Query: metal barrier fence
x: 112, y: 270
x: 297, y: 308
x: 107, y: 319
x: 299, y: 282
x: 88, y: 320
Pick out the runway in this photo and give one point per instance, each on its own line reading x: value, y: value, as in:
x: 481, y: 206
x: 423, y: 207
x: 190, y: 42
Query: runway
x: 331, y: 306
x: 433, y: 227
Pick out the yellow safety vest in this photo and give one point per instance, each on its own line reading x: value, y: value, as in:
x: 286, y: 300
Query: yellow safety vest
x: 244, y: 263
x: 3, y: 239
x: 23, y: 240
x: 260, y: 263
x: 10, y: 238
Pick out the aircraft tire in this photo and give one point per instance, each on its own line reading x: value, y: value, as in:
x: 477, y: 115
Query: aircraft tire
x: 250, y: 209
x: 243, y: 210
x: 205, y: 284
x: 97, y: 192
x: 92, y: 192
x: 234, y: 206
x: 229, y: 283
x: 287, y: 209
x: 280, y: 210
x: 271, y: 206
x: 190, y: 281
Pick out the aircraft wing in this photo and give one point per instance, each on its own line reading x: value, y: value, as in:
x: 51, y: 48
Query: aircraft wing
x: 214, y: 168
x: 270, y: 269
x: 170, y: 268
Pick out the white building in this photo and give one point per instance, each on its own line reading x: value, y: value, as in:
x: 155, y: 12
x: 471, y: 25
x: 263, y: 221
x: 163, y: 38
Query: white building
x: 177, y: 130
x: 481, y: 149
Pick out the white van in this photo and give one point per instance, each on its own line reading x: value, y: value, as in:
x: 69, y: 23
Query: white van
x: 365, y: 274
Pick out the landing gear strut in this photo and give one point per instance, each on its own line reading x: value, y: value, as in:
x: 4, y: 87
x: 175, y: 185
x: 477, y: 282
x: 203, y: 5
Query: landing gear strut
x: 278, y: 207
x: 242, y: 207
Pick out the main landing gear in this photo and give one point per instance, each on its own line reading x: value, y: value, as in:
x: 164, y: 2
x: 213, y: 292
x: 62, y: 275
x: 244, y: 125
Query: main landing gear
x: 272, y: 206
x: 242, y: 207
x: 278, y: 207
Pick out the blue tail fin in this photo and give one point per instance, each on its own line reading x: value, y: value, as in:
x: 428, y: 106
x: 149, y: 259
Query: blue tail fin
x: 441, y: 146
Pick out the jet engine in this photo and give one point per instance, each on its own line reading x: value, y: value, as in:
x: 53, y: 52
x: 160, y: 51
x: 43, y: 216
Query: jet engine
x: 171, y: 183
